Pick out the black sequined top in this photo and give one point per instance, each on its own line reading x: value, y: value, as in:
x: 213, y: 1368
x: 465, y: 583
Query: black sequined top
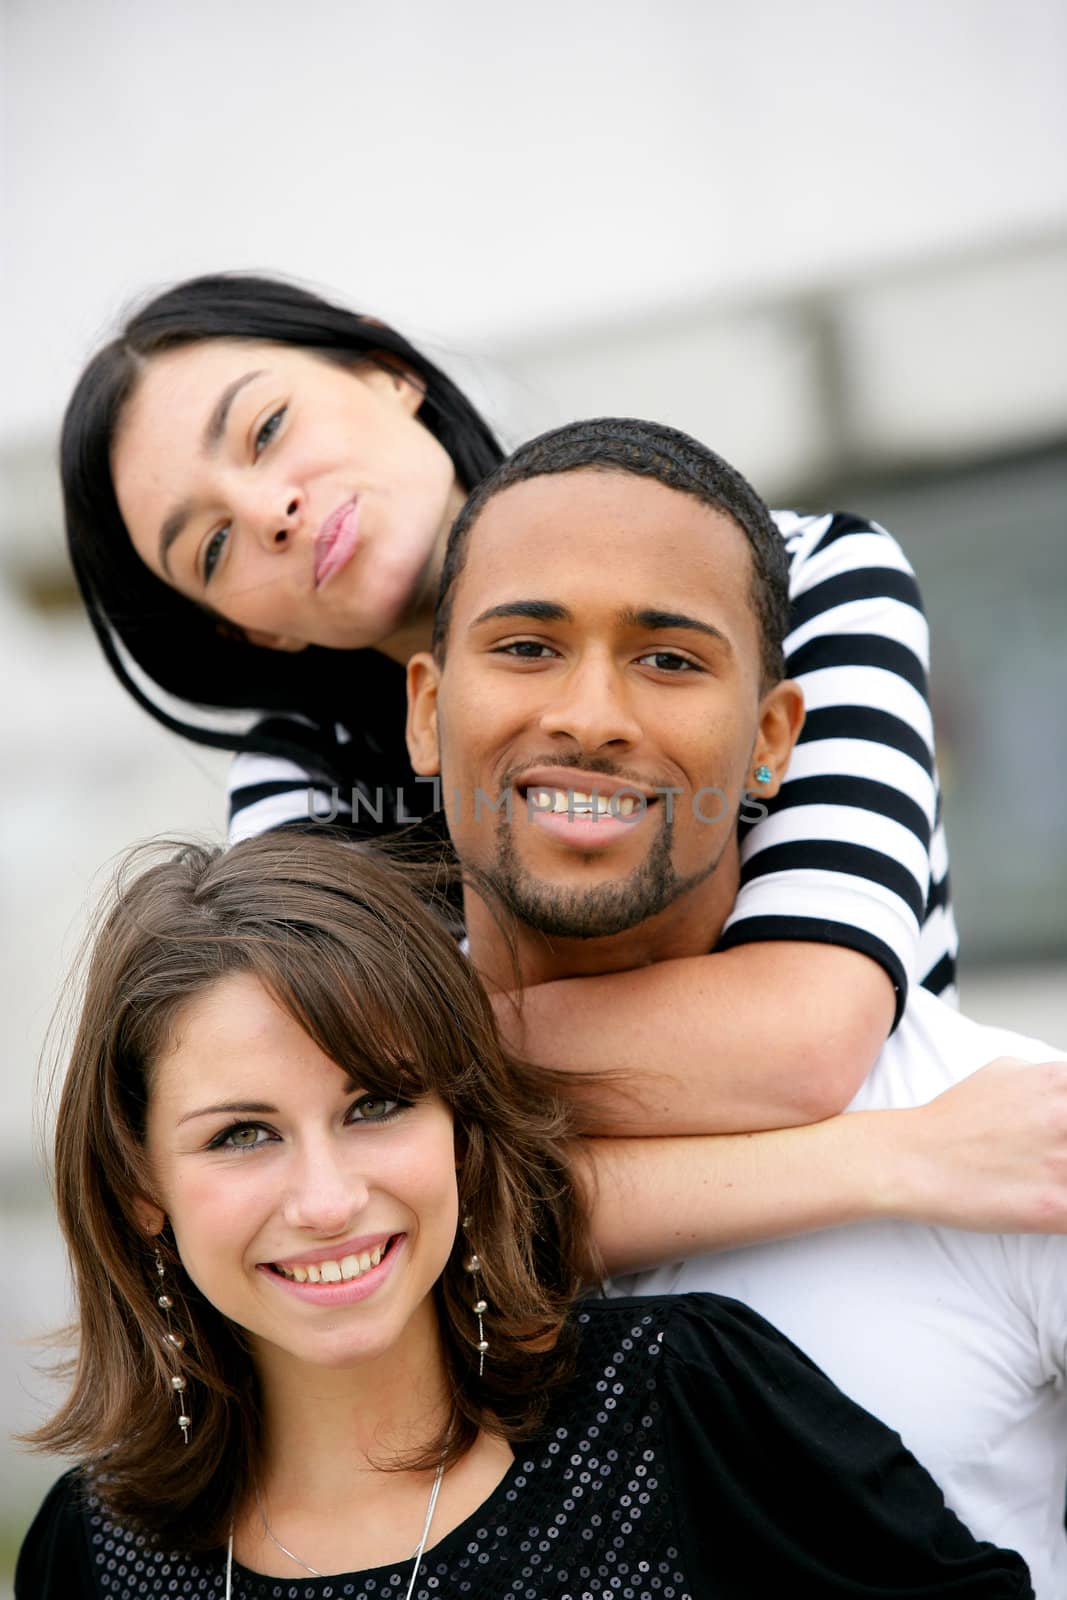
x: 696, y: 1454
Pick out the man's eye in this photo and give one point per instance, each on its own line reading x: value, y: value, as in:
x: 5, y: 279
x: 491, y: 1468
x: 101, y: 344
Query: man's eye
x: 269, y: 429
x: 668, y: 661
x: 526, y: 649
x: 213, y: 550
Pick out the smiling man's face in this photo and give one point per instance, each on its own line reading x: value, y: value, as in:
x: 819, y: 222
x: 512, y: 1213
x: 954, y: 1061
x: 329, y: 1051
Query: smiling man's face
x: 599, y: 711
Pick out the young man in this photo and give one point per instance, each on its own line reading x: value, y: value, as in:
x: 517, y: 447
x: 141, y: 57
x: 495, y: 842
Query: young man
x: 604, y: 696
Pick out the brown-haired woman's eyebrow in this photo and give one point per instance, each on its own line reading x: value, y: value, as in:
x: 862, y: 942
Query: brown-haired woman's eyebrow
x: 256, y: 1108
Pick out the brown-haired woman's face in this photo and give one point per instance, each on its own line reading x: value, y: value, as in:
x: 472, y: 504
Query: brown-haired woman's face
x: 301, y: 500
x: 312, y: 1214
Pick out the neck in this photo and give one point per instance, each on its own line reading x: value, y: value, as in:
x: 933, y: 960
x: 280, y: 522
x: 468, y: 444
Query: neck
x: 415, y: 632
x: 324, y: 1427
x: 689, y: 926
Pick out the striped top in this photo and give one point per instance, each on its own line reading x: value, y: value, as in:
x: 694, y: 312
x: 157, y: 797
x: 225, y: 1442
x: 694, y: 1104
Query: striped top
x: 851, y: 852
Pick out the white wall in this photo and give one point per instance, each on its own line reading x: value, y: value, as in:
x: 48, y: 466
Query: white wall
x: 478, y: 171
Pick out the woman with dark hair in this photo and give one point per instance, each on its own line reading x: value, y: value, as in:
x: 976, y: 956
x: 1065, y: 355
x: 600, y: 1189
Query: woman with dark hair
x: 325, y: 1244
x: 258, y: 487
x: 215, y: 672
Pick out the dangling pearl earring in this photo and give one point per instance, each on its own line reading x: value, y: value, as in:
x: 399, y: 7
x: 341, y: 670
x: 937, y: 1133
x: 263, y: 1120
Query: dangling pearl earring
x: 175, y: 1343
x: 473, y: 1265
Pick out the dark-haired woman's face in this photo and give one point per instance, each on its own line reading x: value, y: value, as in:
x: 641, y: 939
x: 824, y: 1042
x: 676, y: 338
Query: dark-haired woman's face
x: 302, y: 500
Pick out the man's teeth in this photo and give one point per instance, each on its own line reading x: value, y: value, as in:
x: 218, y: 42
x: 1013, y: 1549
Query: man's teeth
x: 572, y: 802
x: 333, y: 1271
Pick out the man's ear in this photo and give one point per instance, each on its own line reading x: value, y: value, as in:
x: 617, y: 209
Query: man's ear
x: 781, y: 718
x: 424, y: 677
x: 152, y: 1218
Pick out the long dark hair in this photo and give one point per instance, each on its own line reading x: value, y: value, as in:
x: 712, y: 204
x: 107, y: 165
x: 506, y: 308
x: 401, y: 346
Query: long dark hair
x: 347, y: 947
x: 167, y: 651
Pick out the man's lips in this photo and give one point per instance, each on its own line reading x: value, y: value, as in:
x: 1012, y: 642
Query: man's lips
x: 575, y: 781
x: 337, y: 541
x: 586, y: 811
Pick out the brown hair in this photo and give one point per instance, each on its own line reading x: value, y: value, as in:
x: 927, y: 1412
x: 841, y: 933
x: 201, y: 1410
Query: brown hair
x: 379, y: 984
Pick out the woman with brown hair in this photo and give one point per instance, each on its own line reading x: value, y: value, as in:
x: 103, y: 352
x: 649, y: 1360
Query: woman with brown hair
x: 326, y: 1247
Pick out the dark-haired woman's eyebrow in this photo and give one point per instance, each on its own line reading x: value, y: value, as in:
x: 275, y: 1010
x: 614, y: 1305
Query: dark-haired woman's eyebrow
x: 214, y: 428
x: 173, y: 524
x: 254, y: 1108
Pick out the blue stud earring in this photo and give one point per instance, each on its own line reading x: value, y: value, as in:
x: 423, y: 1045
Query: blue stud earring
x: 763, y: 773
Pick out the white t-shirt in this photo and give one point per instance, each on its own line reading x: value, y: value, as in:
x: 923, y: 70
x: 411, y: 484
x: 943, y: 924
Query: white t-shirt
x: 957, y: 1340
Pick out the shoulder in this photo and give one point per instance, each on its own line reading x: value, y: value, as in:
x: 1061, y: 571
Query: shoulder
x: 304, y: 743
x: 704, y: 1331
x: 837, y: 558
x: 852, y: 540
x: 54, y: 1559
x: 934, y: 1047
x: 78, y: 1549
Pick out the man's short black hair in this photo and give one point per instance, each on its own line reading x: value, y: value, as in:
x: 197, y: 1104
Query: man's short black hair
x: 649, y: 450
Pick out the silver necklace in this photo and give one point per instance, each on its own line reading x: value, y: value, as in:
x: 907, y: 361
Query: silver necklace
x: 434, y: 1491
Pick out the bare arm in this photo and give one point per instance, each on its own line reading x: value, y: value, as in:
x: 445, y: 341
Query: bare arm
x: 989, y: 1154
x: 762, y: 1036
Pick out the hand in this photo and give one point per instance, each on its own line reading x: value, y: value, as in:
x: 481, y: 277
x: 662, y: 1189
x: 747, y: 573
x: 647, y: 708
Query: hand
x: 990, y: 1154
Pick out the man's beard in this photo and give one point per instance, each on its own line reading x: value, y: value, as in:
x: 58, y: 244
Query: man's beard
x: 593, y: 913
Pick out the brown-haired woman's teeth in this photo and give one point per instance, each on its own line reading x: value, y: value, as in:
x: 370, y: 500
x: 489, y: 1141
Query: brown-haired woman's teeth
x: 333, y: 1271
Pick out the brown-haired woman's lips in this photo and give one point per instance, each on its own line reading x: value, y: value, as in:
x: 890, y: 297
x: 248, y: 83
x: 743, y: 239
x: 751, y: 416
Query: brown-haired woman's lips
x: 356, y: 1245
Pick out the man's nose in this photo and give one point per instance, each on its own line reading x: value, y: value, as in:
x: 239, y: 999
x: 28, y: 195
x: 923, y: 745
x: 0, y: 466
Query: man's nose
x: 591, y: 704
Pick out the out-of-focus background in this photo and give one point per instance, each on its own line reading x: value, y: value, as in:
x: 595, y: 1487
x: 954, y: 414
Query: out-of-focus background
x: 830, y: 239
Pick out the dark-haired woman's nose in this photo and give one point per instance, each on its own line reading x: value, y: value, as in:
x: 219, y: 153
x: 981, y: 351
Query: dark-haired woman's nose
x: 275, y: 522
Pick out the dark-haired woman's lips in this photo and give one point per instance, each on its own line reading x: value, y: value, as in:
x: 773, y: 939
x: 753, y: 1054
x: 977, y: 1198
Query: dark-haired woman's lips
x: 337, y: 541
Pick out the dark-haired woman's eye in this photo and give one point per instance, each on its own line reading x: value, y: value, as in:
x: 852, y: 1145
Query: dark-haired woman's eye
x: 213, y: 550
x: 269, y: 429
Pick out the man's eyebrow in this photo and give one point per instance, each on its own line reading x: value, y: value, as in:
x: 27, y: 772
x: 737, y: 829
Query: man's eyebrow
x: 214, y: 429
x: 258, y: 1108
x: 659, y: 621
x: 534, y: 610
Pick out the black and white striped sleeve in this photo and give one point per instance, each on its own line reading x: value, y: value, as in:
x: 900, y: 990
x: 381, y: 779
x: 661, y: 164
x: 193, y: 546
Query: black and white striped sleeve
x: 844, y: 855
x: 273, y: 791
